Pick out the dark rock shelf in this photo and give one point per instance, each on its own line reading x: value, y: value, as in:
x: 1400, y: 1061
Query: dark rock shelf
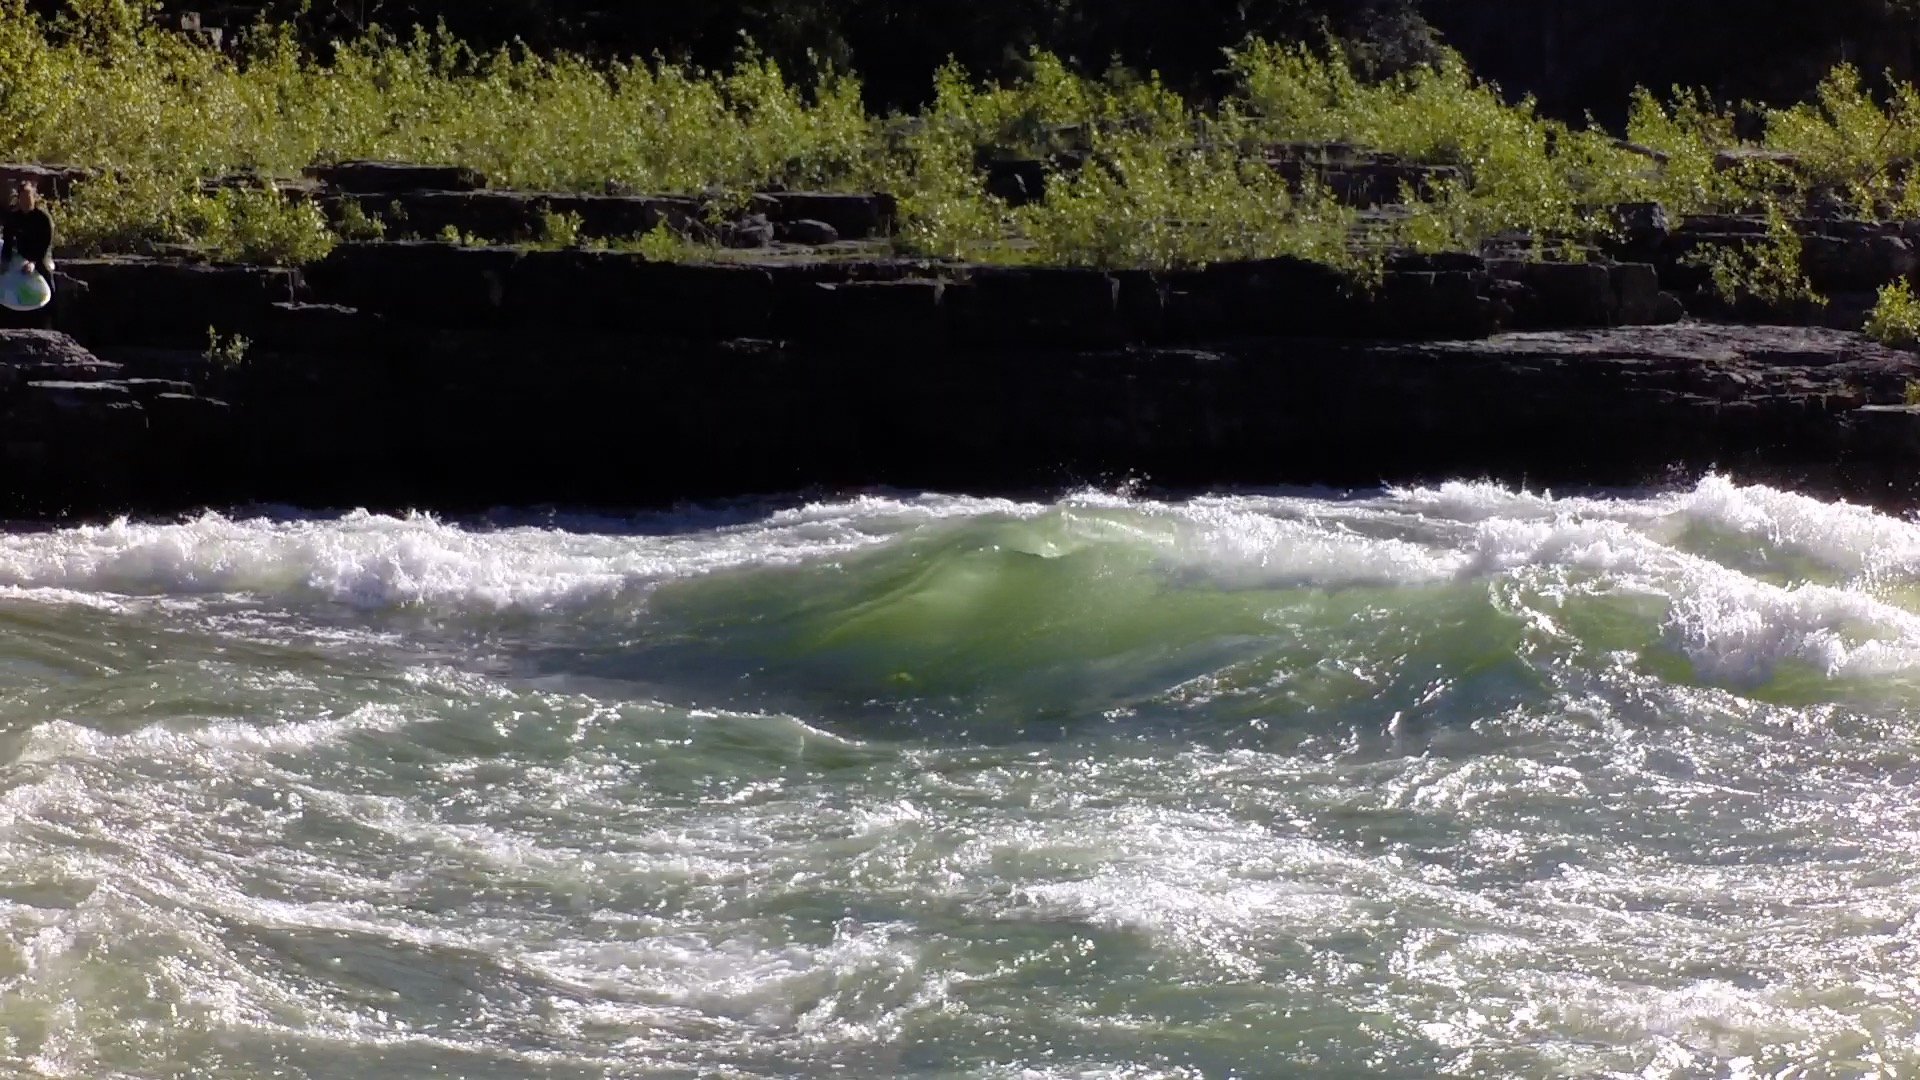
x: 446, y: 407
x: 401, y: 374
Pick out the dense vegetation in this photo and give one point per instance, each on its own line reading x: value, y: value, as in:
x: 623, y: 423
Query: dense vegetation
x: 1142, y: 175
x: 1574, y: 56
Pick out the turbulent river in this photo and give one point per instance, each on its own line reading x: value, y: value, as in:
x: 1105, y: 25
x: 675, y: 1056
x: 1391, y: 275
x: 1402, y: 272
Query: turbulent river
x: 1450, y: 781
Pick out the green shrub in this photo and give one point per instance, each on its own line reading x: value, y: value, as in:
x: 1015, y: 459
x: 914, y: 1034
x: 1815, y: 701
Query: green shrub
x: 559, y: 230
x: 1137, y: 176
x: 663, y: 244
x: 1770, y: 271
x: 1846, y: 141
x: 227, y: 351
x: 1523, y: 172
x: 1895, y: 319
x: 1137, y: 205
x: 357, y: 224
x: 138, y: 211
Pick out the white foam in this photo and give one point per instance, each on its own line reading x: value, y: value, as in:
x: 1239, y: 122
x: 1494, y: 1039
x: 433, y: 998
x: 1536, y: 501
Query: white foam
x: 1852, y: 538
x: 1239, y: 547
x: 1595, y: 546
x: 1211, y: 893
x: 1728, y: 622
x: 373, y: 561
x: 1483, y: 501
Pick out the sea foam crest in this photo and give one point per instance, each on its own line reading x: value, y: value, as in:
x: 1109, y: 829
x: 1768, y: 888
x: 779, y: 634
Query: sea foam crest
x: 1851, y: 538
x: 374, y: 561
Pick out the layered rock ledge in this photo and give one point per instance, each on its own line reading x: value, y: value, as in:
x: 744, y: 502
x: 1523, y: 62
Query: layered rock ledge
x: 416, y: 374
x: 335, y: 408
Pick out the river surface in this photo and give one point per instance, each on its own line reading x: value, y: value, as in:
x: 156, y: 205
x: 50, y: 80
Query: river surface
x: 1451, y: 781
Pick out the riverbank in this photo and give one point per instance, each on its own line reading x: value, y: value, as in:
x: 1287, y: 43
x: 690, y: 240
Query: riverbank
x: 786, y: 344
x: 428, y: 375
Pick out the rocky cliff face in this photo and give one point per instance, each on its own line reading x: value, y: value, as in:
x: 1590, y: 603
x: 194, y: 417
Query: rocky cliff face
x: 426, y: 376
x: 416, y: 374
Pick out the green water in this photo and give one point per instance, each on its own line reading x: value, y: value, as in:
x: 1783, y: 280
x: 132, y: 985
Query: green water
x: 1438, y: 782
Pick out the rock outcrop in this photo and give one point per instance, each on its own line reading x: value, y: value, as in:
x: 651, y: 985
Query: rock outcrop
x: 459, y: 418
x: 427, y: 374
x: 87, y: 436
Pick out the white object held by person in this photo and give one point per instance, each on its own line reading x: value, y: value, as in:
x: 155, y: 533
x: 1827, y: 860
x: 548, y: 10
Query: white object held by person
x: 21, y: 289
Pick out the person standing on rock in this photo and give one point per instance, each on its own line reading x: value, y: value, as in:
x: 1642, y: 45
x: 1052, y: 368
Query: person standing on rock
x: 28, y: 230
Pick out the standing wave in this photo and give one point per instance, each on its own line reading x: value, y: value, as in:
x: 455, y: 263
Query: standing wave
x: 1437, y: 781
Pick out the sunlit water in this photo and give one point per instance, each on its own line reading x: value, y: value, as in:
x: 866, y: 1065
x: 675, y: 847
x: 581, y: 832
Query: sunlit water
x: 1435, y: 782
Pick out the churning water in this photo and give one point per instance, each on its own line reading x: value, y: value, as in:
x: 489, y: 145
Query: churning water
x: 1436, y: 782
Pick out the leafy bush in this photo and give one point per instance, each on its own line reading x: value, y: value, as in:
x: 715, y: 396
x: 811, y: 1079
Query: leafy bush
x: 1138, y: 205
x: 559, y: 229
x: 140, y: 211
x: 1137, y: 176
x: 1524, y: 173
x: 1849, y: 143
x: 1770, y: 271
x: 1896, y: 315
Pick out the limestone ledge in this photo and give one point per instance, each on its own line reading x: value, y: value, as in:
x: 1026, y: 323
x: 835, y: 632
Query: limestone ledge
x: 457, y: 418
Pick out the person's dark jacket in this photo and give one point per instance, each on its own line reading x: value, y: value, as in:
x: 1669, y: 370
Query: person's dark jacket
x: 28, y: 234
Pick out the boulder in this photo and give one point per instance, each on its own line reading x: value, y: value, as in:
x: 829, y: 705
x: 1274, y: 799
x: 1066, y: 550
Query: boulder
x: 1637, y: 298
x: 390, y: 177
x: 1860, y: 263
x: 807, y: 232
x: 899, y: 316
x: 1143, y: 304
x: 294, y: 326
x: 81, y: 437
x: 132, y: 300
x: 52, y: 181
x: 850, y: 216
x: 48, y: 355
x: 418, y: 282
x: 1640, y: 231
x: 752, y: 231
x: 1559, y: 294
x: 1283, y: 295
x: 1435, y: 304
x: 1035, y: 307
x: 912, y: 382
x: 599, y: 292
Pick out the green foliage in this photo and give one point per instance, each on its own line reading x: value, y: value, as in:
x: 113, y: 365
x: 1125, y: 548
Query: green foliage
x: 1689, y: 132
x: 262, y: 226
x: 226, y: 350
x: 1896, y: 316
x: 559, y: 230
x: 1051, y: 110
x: 1137, y: 176
x: 102, y: 86
x: 663, y: 244
x: 138, y: 211
x: 1845, y: 140
x: 1136, y: 205
x: 357, y: 224
x: 123, y: 94
x: 1522, y: 172
x: 1770, y: 271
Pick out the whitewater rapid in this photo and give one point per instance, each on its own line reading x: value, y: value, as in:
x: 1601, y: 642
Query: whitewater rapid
x: 1447, y: 781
